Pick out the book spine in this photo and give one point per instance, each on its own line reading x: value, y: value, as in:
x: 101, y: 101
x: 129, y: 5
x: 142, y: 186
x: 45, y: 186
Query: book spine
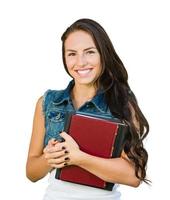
x: 66, y: 129
x: 120, y: 138
x: 57, y: 174
x: 68, y: 121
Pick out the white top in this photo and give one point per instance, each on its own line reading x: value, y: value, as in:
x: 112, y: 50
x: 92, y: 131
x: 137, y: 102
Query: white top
x: 62, y: 190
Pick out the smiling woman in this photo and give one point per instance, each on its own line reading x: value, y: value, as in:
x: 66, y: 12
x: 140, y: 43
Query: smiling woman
x: 101, y: 81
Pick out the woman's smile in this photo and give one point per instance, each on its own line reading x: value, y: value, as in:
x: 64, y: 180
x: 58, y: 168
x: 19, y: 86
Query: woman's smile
x: 84, y: 72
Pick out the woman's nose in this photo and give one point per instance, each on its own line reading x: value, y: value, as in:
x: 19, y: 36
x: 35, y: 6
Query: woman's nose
x: 81, y: 60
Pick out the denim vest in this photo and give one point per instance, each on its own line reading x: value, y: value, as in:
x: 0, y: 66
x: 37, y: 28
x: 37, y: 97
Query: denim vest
x: 57, y: 102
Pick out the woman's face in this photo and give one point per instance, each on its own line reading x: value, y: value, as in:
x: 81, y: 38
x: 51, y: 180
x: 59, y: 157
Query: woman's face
x: 82, y: 58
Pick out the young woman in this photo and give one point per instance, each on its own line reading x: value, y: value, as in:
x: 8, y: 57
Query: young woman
x: 99, y: 85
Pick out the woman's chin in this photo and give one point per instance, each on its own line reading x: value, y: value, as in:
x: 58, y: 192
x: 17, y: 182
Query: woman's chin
x: 84, y: 81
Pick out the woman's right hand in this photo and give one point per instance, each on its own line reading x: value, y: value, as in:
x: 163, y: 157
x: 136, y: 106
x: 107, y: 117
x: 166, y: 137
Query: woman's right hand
x: 56, y: 157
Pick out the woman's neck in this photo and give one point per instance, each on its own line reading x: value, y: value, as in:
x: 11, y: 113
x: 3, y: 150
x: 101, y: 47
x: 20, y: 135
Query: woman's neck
x: 81, y: 94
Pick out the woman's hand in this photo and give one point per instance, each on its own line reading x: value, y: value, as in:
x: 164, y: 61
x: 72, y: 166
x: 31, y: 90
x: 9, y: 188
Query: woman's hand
x: 56, y: 155
x: 60, y: 154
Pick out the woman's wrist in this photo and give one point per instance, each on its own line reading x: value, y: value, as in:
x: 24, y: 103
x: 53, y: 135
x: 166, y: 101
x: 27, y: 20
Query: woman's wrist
x: 81, y: 158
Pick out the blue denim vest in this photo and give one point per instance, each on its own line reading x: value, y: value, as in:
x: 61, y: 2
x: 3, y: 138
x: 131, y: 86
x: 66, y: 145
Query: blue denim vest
x: 57, y: 102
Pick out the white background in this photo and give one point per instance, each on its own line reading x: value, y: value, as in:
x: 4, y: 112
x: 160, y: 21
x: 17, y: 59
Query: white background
x: 30, y: 63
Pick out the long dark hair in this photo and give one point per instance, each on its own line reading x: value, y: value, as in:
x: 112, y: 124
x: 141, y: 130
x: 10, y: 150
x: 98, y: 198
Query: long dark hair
x: 119, y: 97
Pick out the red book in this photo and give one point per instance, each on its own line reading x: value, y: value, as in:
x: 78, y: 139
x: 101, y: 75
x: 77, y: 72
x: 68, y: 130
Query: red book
x: 95, y: 135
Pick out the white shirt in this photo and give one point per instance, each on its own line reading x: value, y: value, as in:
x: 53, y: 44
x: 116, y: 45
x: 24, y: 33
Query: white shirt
x: 62, y: 190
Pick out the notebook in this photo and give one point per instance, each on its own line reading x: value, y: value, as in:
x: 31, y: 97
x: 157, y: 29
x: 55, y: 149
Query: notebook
x: 95, y: 135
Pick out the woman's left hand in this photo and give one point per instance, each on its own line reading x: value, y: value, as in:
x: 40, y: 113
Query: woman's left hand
x: 71, y: 148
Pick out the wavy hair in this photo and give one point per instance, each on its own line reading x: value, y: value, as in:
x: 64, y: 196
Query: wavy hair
x: 122, y: 102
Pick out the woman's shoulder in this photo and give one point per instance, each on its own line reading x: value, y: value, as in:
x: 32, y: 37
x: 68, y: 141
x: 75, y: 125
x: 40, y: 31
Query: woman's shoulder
x: 52, y: 94
x: 49, y: 96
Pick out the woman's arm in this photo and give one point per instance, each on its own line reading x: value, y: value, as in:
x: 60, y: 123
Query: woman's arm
x: 116, y: 170
x: 37, y: 166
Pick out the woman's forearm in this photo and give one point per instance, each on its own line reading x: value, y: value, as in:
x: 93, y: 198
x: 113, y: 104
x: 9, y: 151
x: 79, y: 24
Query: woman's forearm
x: 116, y: 170
x: 37, y: 167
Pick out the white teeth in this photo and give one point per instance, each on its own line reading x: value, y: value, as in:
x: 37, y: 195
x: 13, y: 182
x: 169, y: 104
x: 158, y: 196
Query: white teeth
x: 83, y: 71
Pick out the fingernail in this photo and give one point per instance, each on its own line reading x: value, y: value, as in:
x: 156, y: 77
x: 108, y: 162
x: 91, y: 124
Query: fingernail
x: 65, y: 151
x: 65, y: 164
x: 63, y: 148
x: 66, y: 158
x: 61, y: 139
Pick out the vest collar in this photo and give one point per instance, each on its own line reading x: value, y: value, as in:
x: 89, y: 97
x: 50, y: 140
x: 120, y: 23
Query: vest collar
x: 98, y: 100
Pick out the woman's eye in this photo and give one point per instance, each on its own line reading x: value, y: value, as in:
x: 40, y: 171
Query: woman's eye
x: 71, y: 54
x: 90, y: 52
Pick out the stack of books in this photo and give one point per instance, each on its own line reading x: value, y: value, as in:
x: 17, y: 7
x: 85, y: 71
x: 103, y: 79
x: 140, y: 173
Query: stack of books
x: 98, y: 136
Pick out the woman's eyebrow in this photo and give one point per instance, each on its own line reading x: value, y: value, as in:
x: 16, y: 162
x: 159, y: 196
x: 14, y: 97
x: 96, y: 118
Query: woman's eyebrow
x: 89, y: 48
x: 72, y: 50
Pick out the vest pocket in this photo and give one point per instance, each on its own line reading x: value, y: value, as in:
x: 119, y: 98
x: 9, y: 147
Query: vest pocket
x: 56, y: 116
x: 54, y: 123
